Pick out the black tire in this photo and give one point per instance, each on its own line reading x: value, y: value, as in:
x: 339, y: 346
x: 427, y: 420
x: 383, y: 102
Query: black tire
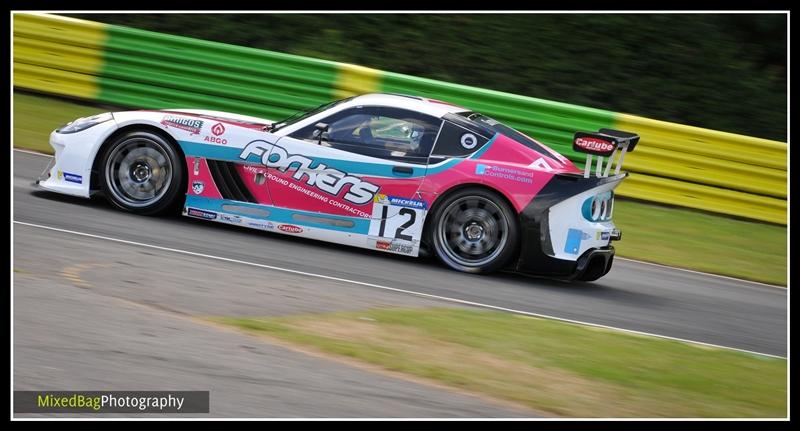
x: 474, y: 230
x: 142, y: 172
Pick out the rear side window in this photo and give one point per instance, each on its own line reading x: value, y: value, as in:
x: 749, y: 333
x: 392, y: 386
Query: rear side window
x: 495, y: 126
x: 458, y: 141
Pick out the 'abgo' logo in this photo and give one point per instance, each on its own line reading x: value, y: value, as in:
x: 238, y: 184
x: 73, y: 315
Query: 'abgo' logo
x: 217, y: 129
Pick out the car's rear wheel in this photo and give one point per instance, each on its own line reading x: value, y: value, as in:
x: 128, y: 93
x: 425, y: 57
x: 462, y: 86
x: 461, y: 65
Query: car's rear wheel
x: 474, y: 230
x: 141, y: 172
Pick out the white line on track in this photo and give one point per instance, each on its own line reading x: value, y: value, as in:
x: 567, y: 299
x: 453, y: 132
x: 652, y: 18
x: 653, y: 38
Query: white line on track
x: 616, y: 257
x: 35, y: 153
x: 392, y: 289
x: 642, y: 262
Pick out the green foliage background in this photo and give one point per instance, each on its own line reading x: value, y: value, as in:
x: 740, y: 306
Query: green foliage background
x: 720, y: 71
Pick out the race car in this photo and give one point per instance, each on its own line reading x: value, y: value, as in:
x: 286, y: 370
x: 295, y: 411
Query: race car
x: 389, y: 172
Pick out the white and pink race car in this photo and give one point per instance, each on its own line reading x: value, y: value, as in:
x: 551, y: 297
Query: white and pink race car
x: 394, y: 173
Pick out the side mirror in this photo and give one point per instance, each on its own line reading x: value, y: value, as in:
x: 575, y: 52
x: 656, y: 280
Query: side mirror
x: 321, y: 132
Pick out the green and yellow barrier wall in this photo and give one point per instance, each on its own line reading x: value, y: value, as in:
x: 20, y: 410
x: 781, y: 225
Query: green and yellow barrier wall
x: 673, y: 164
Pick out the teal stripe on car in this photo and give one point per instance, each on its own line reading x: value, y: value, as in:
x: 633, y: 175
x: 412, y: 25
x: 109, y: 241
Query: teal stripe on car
x: 483, y: 149
x: 278, y: 215
x: 207, y: 151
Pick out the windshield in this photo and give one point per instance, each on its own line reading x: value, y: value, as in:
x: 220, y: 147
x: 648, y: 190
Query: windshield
x: 301, y: 115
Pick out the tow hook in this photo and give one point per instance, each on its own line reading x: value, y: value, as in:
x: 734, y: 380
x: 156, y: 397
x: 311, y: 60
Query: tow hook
x: 616, y: 235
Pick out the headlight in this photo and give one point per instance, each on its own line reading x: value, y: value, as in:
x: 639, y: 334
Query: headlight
x: 84, y: 123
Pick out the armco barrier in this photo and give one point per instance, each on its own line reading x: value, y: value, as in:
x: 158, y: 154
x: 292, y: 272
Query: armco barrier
x: 673, y: 164
x: 58, y: 55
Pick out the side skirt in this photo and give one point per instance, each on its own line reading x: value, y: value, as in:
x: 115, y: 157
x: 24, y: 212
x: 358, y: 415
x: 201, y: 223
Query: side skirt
x: 349, y: 231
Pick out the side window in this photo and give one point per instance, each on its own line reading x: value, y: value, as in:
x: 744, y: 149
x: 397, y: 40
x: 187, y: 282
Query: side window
x: 384, y: 132
x: 458, y: 141
x: 353, y: 129
x: 310, y: 132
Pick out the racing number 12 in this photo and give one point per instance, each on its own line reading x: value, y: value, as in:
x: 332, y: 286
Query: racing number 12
x: 398, y: 234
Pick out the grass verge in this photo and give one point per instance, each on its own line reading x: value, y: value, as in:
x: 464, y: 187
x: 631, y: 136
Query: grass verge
x: 701, y: 241
x: 670, y: 236
x: 552, y: 367
x: 36, y: 116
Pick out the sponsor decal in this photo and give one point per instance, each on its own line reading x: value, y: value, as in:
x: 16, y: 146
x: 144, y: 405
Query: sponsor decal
x: 194, y: 212
x: 383, y: 199
x: 574, y: 239
x: 254, y: 169
x: 596, y: 208
x: 314, y: 195
x: 215, y: 140
x: 602, y: 235
x: 230, y: 218
x: 505, y: 173
x: 319, y: 175
x: 71, y: 177
x: 191, y: 125
x: 541, y: 164
x: 573, y: 243
x: 290, y: 228
x: 60, y: 175
x: 393, y: 246
x: 267, y: 226
x: 217, y: 129
x: 469, y: 141
x: 594, y: 144
x: 198, y: 187
x: 196, y: 166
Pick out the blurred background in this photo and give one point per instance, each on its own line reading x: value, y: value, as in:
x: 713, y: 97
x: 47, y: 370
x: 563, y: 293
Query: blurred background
x: 719, y: 71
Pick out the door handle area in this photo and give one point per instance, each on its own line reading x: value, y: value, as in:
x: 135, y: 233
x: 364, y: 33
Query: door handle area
x: 402, y: 170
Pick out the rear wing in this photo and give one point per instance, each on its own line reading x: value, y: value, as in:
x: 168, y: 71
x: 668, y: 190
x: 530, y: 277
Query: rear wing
x: 604, y: 143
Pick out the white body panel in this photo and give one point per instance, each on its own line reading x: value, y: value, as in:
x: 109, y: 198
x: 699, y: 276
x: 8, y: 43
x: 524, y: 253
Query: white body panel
x: 566, y: 215
x: 74, y: 154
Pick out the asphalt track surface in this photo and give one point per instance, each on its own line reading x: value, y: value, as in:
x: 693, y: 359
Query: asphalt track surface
x: 94, y: 313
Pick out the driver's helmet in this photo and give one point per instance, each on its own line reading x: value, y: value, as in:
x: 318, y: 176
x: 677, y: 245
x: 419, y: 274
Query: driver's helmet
x: 415, y: 137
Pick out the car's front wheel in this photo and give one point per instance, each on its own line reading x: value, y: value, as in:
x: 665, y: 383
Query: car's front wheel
x: 141, y: 172
x: 474, y: 230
